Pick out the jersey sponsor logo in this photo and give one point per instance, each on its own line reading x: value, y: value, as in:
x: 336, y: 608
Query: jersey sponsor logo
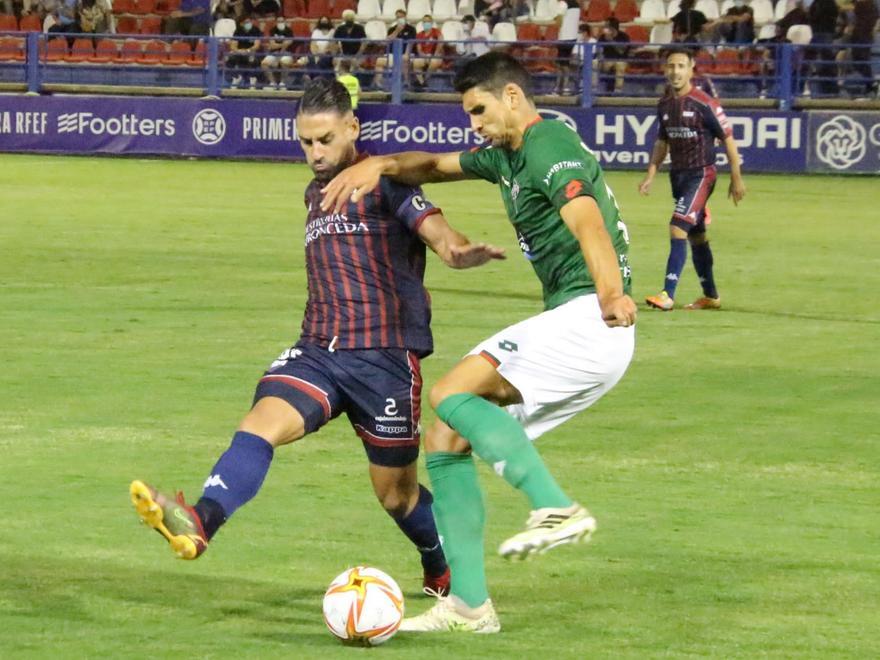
x: 573, y: 189
x: 681, y: 132
x: 687, y: 113
x: 560, y: 166
x: 333, y: 223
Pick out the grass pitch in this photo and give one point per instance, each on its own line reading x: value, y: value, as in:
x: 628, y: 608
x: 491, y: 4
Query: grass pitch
x: 734, y: 471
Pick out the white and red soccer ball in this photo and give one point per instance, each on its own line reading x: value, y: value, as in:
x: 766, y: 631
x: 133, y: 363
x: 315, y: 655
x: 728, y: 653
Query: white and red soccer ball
x: 363, y: 605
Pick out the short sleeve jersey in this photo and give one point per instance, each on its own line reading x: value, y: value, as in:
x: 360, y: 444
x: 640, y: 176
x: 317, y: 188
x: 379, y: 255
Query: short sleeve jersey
x: 551, y: 168
x: 691, y: 124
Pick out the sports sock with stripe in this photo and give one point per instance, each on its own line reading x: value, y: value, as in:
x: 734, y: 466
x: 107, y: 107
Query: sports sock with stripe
x: 703, y: 262
x: 420, y: 528
x: 458, y: 509
x: 501, y: 441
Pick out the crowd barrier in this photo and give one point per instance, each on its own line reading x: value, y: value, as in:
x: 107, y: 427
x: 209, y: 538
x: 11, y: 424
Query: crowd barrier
x: 769, y: 140
x: 780, y: 73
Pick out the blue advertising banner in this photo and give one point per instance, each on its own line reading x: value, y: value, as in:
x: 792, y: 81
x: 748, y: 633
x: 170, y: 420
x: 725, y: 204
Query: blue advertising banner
x: 621, y: 138
x: 844, y: 142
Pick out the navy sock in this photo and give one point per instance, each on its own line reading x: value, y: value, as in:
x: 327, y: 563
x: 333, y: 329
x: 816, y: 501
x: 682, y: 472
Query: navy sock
x: 211, y: 514
x: 675, y: 264
x: 420, y: 528
x: 702, y: 256
x: 237, y: 476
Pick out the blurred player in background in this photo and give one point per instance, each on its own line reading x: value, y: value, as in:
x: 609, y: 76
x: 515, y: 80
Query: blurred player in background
x: 365, y: 327
x: 689, y: 121
x: 534, y: 375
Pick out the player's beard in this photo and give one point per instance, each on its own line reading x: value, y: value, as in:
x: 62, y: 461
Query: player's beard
x: 327, y: 175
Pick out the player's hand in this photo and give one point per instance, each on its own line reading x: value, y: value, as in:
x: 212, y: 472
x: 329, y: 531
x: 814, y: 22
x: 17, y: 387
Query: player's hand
x: 473, y: 254
x: 351, y: 184
x: 645, y: 185
x: 618, y: 310
x: 736, y: 191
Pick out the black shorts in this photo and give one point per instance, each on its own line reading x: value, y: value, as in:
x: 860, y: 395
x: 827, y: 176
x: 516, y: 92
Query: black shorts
x: 691, y: 190
x: 563, y: 52
x: 379, y: 390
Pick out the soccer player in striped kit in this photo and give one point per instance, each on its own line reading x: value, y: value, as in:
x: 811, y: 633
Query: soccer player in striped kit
x: 364, y: 330
x: 689, y: 122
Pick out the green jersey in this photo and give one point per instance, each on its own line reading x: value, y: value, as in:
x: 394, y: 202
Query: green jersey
x: 551, y: 167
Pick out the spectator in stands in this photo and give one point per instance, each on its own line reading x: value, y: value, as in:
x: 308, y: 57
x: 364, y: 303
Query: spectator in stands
x: 688, y: 23
x: 267, y: 7
x: 797, y: 15
x: 66, y: 20
x: 244, y: 52
x: 737, y: 26
x: 768, y: 50
x: 351, y: 83
x: 864, y: 21
x: 500, y: 11
x: 475, y: 39
x: 41, y: 8
x: 569, y: 23
x: 823, y: 19
x: 94, y: 17
x: 354, y: 40
x: 193, y: 17
x: 613, y: 51
x: 428, y: 55
x: 279, y: 54
x: 320, y: 53
x: 406, y: 33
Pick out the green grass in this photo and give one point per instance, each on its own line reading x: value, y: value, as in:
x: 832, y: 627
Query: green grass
x: 734, y: 471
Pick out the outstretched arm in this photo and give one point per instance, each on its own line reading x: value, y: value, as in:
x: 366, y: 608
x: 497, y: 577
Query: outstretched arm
x: 410, y: 167
x: 584, y: 219
x: 454, y: 248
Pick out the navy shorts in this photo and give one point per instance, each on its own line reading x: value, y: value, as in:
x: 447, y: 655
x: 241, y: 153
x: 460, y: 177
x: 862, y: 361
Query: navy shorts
x: 691, y: 190
x: 379, y: 390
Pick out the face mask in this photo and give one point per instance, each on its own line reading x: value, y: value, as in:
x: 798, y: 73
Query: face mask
x: 281, y: 25
x: 248, y: 25
x: 401, y: 21
x: 468, y: 28
x: 324, y: 26
x: 427, y: 26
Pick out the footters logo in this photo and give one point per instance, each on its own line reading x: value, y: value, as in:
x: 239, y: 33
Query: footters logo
x: 129, y: 124
x: 208, y: 126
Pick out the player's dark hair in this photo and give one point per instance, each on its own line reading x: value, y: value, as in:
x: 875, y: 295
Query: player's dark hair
x: 492, y: 72
x: 676, y: 50
x: 323, y: 95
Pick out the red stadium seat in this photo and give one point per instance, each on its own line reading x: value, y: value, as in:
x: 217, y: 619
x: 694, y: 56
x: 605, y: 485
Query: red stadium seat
x: 124, y: 6
x: 528, y: 32
x: 639, y: 34
x: 626, y: 11
x: 294, y: 8
x: 8, y: 23
x: 726, y: 63
x: 144, y: 7
x: 598, y: 11
x: 12, y: 49
x: 126, y: 25
x: 155, y: 52
x: 106, y: 51
x: 200, y: 54
x: 150, y: 25
x: 131, y: 52
x: 318, y: 8
x: 30, y: 23
x: 551, y: 33
x: 81, y: 50
x: 165, y: 7
x: 56, y: 49
x: 340, y: 6
x: 179, y: 54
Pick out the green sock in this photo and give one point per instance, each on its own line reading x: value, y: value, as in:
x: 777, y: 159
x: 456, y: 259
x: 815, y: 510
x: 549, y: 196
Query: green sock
x: 500, y: 440
x: 458, y: 510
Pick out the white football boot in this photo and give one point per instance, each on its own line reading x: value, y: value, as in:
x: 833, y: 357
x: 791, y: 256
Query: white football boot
x: 549, y: 528
x: 451, y: 613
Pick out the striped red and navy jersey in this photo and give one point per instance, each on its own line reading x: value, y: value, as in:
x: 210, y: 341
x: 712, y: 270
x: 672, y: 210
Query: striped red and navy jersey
x: 690, y: 124
x: 365, y: 269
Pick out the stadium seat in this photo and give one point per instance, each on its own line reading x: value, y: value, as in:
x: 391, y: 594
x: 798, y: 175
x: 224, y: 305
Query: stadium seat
x: 546, y: 11
x: 145, y: 7
x: 673, y: 8
x: 465, y: 7
x: 131, y: 51
x: 767, y: 31
x: 301, y: 29
x: 179, y: 54
x: 727, y: 62
x: 651, y: 10
x: 200, y: 54
x: 8, y: 23
x: 444, y: 10
x: 528, y: 32
x: 150, y: 25
x: 626, y: 11
x: 390, y: 7
x: 12, y: 49
x: 800, y: 35
x: 82, y: 50
x: 551, y: 33
x: 126, y: 25
x: 452, y: 30
x: 598, y: 11
x: 703, y: 61
x: 224, y: 27
x: 725, y: 5
x: 709, y: 8
x: 661, y: 33
x: 504, y: 32
x: 376, y: 30
x: 106, y: 51
x: 165, y: 7
x: 763, y: 11
x: 639, y: 34
x: 56, y: 49
x: 340, y: 6
x: 124, y: 7
x: 155, y: 52
x: 415, y: 9
x: 30, y: 23
x: 782, y: 8
x: 293, y: 8
x: 367, y: 10
x: 317, y: 8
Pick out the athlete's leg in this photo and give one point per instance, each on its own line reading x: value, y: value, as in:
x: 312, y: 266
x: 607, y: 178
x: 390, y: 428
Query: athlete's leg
x: 703, y: 261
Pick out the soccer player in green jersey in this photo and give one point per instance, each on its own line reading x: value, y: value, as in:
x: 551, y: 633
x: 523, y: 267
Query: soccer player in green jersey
x: 538, y: 373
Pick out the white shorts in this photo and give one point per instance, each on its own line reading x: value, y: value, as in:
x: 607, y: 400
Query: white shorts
x: 561, y: 361
x: 273, y: 60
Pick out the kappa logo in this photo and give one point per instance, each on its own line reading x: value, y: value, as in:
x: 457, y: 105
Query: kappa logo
x: 213, y: 481
x: 208, y: 126
x: 841, y: 142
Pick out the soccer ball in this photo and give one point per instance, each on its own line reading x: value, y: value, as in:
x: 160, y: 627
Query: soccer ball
x: 363, y: 606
